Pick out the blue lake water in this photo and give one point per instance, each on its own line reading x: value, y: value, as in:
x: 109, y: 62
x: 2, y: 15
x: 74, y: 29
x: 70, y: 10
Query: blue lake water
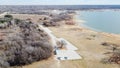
x: 105, y: 21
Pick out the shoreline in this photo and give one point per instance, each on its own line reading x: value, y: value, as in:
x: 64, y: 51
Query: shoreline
x: 80, y: 23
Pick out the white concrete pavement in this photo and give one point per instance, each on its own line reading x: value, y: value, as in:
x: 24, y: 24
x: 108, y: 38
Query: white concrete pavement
x: 67, y: 54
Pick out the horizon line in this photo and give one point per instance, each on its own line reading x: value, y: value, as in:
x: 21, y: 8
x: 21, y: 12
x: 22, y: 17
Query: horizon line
x: 56, y: 5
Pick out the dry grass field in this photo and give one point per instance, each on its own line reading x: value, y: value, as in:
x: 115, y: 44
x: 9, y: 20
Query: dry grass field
x: 33, y: 17
x: 89, y: 47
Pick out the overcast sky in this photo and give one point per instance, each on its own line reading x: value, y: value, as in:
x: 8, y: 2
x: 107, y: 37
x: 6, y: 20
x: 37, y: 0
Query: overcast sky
x: 59, y: 2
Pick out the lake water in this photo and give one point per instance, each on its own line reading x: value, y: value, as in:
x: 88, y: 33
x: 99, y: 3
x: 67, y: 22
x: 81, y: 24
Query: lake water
x: 105, y: 21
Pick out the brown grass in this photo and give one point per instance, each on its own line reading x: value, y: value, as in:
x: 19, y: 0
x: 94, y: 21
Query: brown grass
x: 91, y: 50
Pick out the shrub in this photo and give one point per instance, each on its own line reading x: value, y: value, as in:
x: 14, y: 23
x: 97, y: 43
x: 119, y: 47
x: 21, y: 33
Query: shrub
x: 8, y: 16
x: 114, y: 54
x: 2, y: 21
x: 25, y: 46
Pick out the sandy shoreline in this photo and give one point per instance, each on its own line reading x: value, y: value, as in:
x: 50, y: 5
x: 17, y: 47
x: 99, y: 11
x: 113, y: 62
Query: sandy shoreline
x: 80, y: 22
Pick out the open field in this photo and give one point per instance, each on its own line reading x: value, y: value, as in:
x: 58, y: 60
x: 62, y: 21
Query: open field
x: 33, y: 17
x: 89, y: 47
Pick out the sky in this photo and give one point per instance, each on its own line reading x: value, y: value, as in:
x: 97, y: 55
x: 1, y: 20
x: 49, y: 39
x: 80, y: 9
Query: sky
x: 59, y: 2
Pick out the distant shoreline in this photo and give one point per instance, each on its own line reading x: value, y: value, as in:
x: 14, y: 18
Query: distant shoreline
x: 22, y: 8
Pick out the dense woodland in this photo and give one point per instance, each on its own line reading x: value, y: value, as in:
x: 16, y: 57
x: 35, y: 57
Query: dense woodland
x: 22, y: 42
